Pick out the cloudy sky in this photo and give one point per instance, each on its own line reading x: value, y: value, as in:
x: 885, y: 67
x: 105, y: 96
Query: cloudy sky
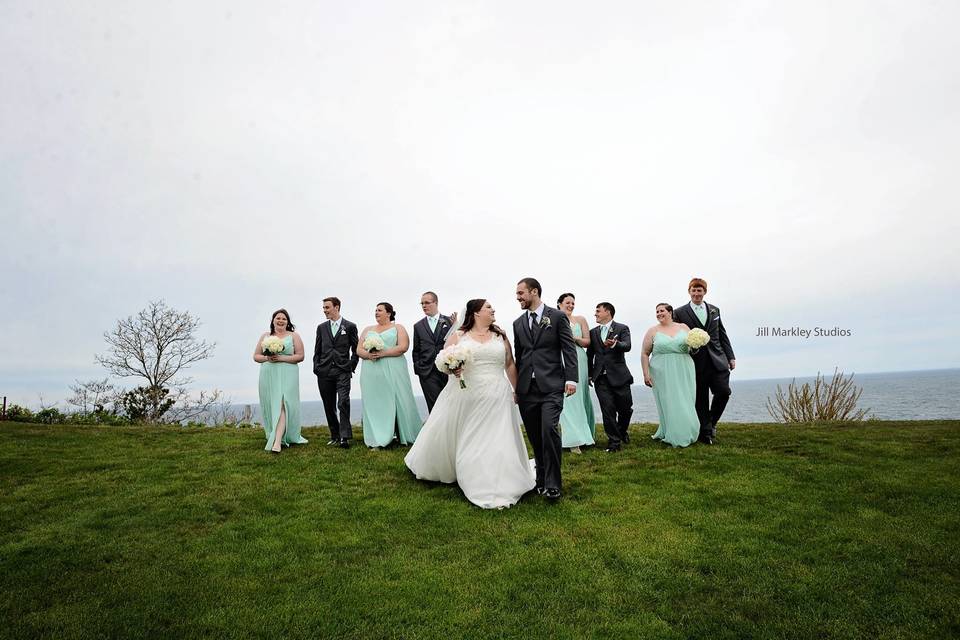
x: 231, y: 159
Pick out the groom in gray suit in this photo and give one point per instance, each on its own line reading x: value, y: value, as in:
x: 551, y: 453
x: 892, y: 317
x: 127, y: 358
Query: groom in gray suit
x: 546, y: 370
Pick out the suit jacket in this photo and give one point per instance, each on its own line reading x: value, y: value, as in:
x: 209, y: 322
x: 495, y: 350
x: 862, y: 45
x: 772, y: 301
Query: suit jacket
x: 427, y: 344
x: 718, y: 353
x: 610, y: 360
x: 548, y: 352
x: 332, y: 354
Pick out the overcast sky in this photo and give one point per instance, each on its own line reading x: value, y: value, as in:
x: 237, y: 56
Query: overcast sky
x: 231, y: 159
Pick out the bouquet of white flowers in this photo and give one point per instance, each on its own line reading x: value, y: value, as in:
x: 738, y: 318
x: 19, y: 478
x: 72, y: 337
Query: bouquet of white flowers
x: 454, y: 357
x: 271, y: 345
x: 697, y: 338
x: 373, y: 342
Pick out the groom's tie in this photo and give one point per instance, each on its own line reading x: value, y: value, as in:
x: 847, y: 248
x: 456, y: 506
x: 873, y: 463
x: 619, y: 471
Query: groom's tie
x: 534, y: 325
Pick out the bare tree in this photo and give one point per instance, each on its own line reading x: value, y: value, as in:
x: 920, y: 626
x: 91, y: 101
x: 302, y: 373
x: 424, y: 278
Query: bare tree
x: 187, y: 406
x: 222, y: 413
x: 158, y: 345
x: 92, y: 394
x: 833, y: 400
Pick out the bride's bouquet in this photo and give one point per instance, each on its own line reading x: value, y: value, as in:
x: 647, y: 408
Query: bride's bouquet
x: 453, y: 358
x: 697, y: 338
x: 271, y: 346
x: 373, y: 342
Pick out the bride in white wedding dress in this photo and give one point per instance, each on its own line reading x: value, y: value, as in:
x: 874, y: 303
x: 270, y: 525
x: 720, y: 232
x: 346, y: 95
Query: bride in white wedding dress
x: 472, y: 436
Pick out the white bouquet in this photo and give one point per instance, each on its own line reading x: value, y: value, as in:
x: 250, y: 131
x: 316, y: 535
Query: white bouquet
x: 454, y: 357
x: 697, y: 338
x: 373, y: 342
x: 271, y: 345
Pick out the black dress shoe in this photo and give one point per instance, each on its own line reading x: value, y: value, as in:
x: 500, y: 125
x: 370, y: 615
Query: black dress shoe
x: 539, y: 490
x: 705, y: 440
x: 626, y: 438
x: 344, y: 443
x: 612, y: 448
x: 332, y: 441
x: 552, y: 494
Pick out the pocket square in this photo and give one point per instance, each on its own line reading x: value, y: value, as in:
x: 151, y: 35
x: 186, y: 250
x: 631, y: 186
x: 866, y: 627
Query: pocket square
x: 343, y: 332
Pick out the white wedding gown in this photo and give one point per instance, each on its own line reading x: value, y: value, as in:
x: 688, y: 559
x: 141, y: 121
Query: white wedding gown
x: 473, y: 435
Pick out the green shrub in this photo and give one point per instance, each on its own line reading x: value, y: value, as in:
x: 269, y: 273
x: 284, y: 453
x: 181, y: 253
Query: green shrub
x: 18, y: 413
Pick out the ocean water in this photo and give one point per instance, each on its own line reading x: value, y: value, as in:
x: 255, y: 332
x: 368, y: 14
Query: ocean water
x: 901, y: 395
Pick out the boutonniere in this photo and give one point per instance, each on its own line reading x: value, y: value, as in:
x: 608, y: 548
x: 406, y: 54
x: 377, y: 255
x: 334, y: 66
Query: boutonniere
x: 343, y: 332
x: 544, y: 322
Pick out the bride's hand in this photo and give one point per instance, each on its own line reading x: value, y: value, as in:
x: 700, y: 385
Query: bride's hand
x: 457, y: 372
x: 515, y: 399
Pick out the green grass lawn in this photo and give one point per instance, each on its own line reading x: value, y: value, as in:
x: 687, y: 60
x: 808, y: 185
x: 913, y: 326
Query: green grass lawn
x: 776, y: 532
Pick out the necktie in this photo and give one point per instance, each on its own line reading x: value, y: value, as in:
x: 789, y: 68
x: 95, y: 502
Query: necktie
x: 603, y: 332
x: 701, y: 314
x: 433, y: 323
x: 333, y: 328
x: 534, y: 325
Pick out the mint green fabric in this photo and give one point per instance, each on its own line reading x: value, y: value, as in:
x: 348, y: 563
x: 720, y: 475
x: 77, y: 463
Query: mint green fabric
x: 280, y: 386
x: 674, y: 389
x: 577, y: 421
x: 388, y: 397
x: 701, y: 313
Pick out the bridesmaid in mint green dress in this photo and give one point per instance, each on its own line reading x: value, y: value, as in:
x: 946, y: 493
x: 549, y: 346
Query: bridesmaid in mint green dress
x: 577, y: 421
x: 280, y: 384
x: 668, y: 369
x: 389, y: 410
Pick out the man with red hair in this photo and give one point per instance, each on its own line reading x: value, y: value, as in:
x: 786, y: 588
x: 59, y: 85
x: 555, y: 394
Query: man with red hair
x: 713, y: 362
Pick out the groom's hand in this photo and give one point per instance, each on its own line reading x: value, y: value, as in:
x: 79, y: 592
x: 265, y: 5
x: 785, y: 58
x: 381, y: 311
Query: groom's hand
x: 733, y: 365
x: 570, y: 389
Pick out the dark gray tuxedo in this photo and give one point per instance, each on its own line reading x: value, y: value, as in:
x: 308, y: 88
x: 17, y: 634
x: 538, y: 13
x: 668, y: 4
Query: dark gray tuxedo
x: 712, y: 364
x: 427, y: 344
x: 611, y: 378
x: 546, y: 358
x: 334, y: 361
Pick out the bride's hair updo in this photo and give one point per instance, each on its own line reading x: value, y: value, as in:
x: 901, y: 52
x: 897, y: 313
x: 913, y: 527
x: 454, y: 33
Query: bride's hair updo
x: 473, y: 306
x: 389, y: 309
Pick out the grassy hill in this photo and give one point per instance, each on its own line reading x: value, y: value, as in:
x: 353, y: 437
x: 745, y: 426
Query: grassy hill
x: 777, y: 532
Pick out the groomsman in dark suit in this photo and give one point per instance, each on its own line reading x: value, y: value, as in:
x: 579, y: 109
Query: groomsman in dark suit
x: 429, y: 334
x: 334, y: 361
x: 610, y: 376
x: 713, y: 362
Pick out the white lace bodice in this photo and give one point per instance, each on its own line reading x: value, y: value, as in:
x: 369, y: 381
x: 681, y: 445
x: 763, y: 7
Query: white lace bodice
x: 489, y: 359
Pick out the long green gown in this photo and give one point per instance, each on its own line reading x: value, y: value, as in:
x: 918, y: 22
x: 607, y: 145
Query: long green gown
x: 280, y: 386
x: 674, y: 389
x: 577, y: 421
x: 388, y: 397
